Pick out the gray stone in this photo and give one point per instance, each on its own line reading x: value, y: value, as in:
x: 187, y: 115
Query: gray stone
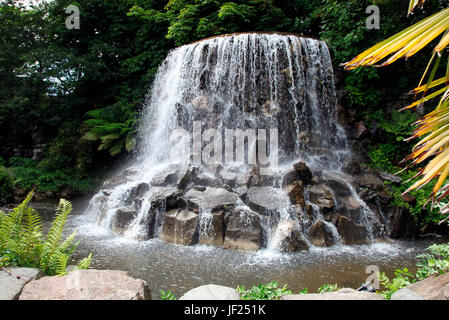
x: 433, y: 288
x: 87, y: 285
x: 211, y: 292
x: 389, y: 177
x: 319, y: 235
x: 321, y: 196
x: 243, y: 230
x: 266, y: 200
x: 180, y: 227
x: 122, y: 219
x: 342, y: 294
x: 291, y: 239
x: 350, y: 232
x: 13, y: 279
x: 211, y: 199
x: 165, y: 177
x: 405, y: 294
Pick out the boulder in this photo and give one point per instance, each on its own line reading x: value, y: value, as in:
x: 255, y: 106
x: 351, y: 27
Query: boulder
x: 184, y: 177
x: 266, y: 200
x: 304, y: 173
x: 180, y: 227
x: 87, y: 285
x: 389, y: 177
x: 165, y: 177
x: 370, y: 181
x: 319, y: 235
x: 206, y: 179
x: 290, y: 239
x: 405, y: 294
x: 351, y: 167
x: 211, y: 228
x: 433, y: 288
x: 13, y: 279
x: 342, y: 294
x: 321, y: 196
x: 402, y: 224
x: 243, y: 230
x: 295, y: 192
x: 350, y: 232
x: 122, y: 219
x: 213, y: 199
x: 211, y: 292
x: 290, y: 177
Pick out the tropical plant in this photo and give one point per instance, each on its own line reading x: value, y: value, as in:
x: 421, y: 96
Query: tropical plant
x: 433, y: 128
x: 327, y: 288
x: 23, y: 244
x: 269, y: 291
x: 167, y: 295
x: 402, y: 279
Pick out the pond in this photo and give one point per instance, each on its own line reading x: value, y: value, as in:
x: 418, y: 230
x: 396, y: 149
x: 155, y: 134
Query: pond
x: 181, y: 268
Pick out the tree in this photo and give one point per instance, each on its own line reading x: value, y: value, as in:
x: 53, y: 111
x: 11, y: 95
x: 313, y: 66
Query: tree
x: 432, y: 128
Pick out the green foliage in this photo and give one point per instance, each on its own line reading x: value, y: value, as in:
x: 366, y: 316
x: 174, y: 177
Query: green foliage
x: 167, y: 295
x: 327, y: 288
x: 6, y: 184
x: 23, y: 244
x: 402, y: 279
x: 432, y: 263
x: 269, y: 291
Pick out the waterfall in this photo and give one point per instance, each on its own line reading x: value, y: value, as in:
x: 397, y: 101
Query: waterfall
x: 279, y: 88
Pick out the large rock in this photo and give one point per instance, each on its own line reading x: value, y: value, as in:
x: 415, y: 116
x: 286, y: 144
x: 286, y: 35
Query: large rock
x: 211, y: 292
x: 266, y: 200
x: 180, y: 227
x: 122, y: 219
x: 243, y: 230
x: 402, y: 224
x: 213, y: 199
x: 319, y: 235
x: 342, y: 294
x: 350, y: 232
x: 304, y: 173
x: 165, y: 177
x: 13, y: 279
x: 211, y: 228
x: 433, y: 288
x: 88, y: 285
x: 405, y: 294
x: 321, y: 196
x: 290, y: 239
x: 295, y: 192
x: 371, y: 181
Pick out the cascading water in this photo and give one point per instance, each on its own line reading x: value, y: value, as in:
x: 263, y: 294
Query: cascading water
x: 278, y: 87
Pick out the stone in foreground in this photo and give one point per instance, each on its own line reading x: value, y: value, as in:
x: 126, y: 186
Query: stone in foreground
x: 211, y: 292
x: 433, y: 288
x: 88, y: 285
x: 342, y: 294
x: 12, y: 282
x: 405, y: 294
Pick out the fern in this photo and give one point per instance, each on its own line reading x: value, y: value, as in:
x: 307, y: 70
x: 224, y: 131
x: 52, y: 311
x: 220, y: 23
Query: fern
x: 22, y: 242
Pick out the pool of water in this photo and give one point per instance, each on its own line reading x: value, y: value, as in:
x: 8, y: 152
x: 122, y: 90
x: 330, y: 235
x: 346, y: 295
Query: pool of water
x: 179, y: 268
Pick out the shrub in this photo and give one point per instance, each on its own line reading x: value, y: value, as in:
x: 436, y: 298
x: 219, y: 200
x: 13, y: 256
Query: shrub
x: 6, y: 184
x: 23, y: 244
x: 268, y: 291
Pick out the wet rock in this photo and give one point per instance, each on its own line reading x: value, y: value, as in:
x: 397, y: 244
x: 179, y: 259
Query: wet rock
x: 184, y: 177
x: 228, y: 177
x: 201, y: 102
x: 319, y: 235
x: 122, y: 219
x: 243, y: 230
x: 211, y: 228
x: 371, y: 181
x: 211, y: 199
x: 402, y: 224
x: 350, y: 232
x: 304, y: 173
x: 211, y: 292
x: 289, y: 178
x: 207, y: 180
x: 266, y: 200
x: 180, y: 227
x: 13, y: 279
x: 295, y: 192
x: 114, y: 182
x: 88, y: 285
x: 389, y: 177
x: 351, y: 167
x: 321, y: 196
x: 291, y: 239
x: 165, y: 177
